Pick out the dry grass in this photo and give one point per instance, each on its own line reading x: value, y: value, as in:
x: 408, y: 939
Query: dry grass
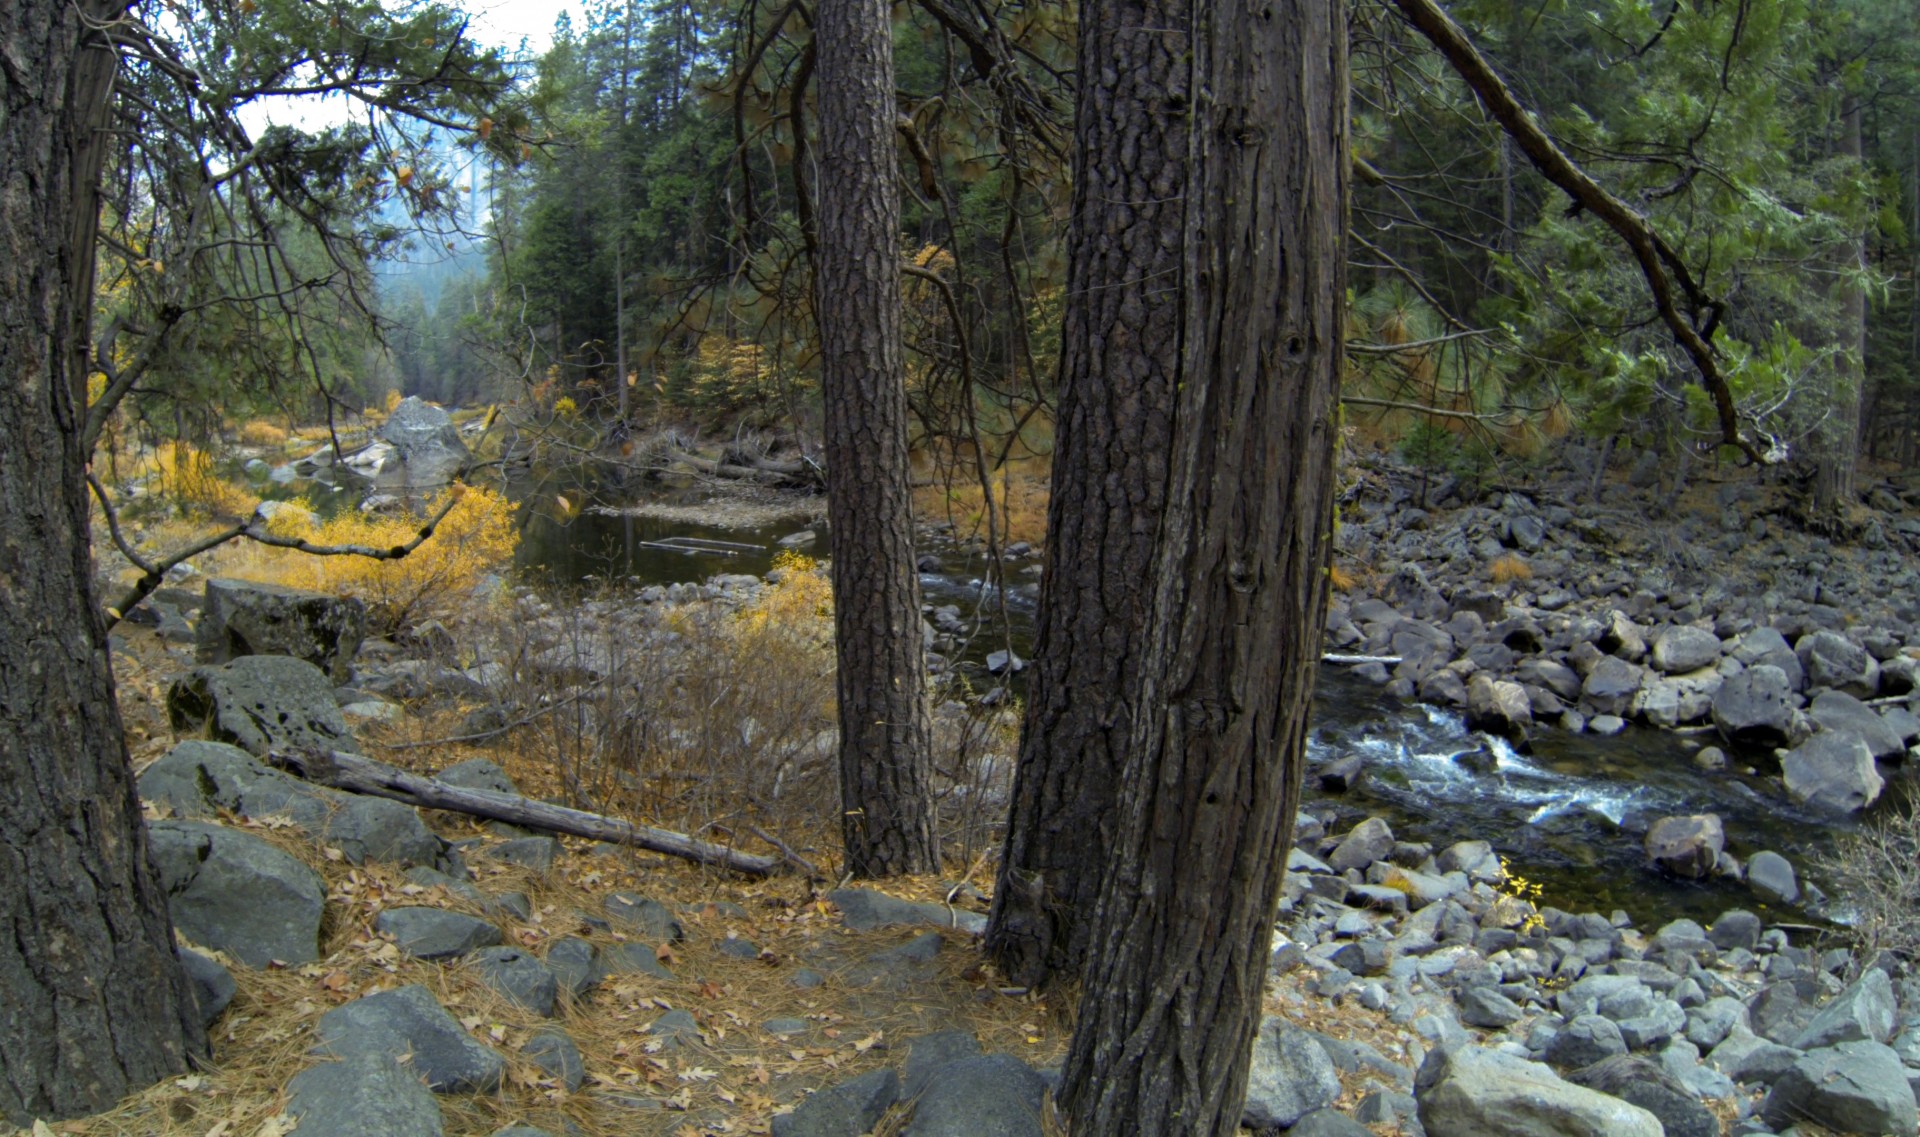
x: 949, y: 491
x: 1507, y: 569
x: 732, y: 1082
x: 260, y: 432
x: 1875, y: 870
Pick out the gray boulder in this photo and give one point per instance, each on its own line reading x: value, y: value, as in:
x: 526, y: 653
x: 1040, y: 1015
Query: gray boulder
x: 847, y: 1110
x: 675, y: 1028
x: 427, y: 441
x: 1585, y: 1040
x: 242, y: 617
x: 1777, y: 1012
x: 996, y: 1095
x: 1771, y: 877
x: 235, y: 893
x: 558, y: 1056
x: 478, y: 774
x: 1365, y: 843
x: 1291, y: 1076
x: 644, y: 918
x: 1669, y: 701
x: 1467, y: 1091
x: 1855, y: 1087
x: 1746, y: 1057
x: 260, y: 703
x: 196, y: 778
x: 1864, y: 1010
x: 1486, y: 1007
x: 571, y: 960
x: 931, y: 1053
x: 864, y: 910
x: 536, y: 853
x: 1833, y: 772
x: 1735, y: 928
x: 1767, y: 646
x: 434, y: 933
x: 1688, y: 847
x: 1643, y: 1082
x: 1328, y: 1123
x: 1709, y: 1024
x: 409, y: 1021
x: 1755, y: 707
x: 1833, y: 660
x: 1841, y: 713
x: 627, y: 959
x: 366, y: 1094
x: 1498, y: 706
x: 522, y: 978
x: 213, y: 986
x: 1683, y: 648
x: 1611, y: 685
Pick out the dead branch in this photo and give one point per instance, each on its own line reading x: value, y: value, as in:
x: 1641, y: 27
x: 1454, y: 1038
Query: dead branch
x: 356, y: 774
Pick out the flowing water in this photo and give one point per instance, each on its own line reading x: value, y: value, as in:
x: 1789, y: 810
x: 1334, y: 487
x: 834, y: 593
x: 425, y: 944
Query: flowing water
x: 1568, y: 815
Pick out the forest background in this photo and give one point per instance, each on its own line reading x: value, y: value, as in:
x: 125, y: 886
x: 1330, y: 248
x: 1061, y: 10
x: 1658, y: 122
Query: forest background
x: 633, y: 251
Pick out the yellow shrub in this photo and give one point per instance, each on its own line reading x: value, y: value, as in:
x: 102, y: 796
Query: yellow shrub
x: 798, y: 610
x: 475, y: 538
x: 260, y: 432
x: 1509, y: 568
x: 186, y: 476
x: 565, y: 407
x: 1019, y: 497
x: 394, y: 399
x: 1341, y: 579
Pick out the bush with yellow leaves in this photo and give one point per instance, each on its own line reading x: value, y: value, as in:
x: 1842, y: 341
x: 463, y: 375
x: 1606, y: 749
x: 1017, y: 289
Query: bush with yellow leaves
x: 475, y: 538
x: 185, y: 475
x: 797, y: 609
x: 260, y: 432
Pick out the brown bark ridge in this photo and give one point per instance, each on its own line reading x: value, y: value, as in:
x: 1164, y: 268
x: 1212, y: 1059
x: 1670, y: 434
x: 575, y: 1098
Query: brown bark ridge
x: 885, y: 748
x: 93, y: 1003
x: 1210, y: 775
x: 1836, y: 443
x: 1119, y: 363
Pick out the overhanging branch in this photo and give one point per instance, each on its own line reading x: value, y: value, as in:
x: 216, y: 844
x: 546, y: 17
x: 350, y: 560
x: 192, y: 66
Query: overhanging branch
x: 1659, y: 263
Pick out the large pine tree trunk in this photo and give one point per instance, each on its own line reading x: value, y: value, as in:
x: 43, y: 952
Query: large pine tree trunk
x: 885, y: 748
x: 93, y: 1003
x: 1119, y: 362
x: 1837, y: 441
x: 1210, y: 775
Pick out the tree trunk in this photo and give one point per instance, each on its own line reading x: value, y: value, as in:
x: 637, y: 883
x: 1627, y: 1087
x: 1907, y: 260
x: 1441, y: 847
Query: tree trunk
x: 1210, y: 775
x: 1119, y: 363
x: 885, y: 748
x: 1838, y: 438
x: 95, y: 1004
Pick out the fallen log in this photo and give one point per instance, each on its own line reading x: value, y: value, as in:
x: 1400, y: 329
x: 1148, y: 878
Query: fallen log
x: 357, y: 774
x: 1337, y: 659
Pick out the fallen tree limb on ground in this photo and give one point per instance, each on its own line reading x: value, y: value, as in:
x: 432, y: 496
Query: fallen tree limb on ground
x: 357, y: 774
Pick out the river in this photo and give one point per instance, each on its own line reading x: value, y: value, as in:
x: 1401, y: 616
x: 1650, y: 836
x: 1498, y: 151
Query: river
x: 1568, y: 815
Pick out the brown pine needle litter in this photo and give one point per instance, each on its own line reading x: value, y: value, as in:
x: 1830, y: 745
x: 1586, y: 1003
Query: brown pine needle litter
x: 733, y: 1080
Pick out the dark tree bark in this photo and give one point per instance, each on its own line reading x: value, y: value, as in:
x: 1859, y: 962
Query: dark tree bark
x: 1235, y: 594
x: 93, y: 1003
x: 1836, y: 443
x: 1119, y: 363
x: 885, y: 748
